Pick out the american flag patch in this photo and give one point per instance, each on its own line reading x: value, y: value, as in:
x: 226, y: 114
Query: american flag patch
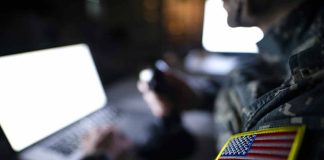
x: 270, y: 144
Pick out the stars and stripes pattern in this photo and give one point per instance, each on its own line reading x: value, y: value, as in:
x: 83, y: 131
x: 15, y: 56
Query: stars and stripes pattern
x: 263, y: 146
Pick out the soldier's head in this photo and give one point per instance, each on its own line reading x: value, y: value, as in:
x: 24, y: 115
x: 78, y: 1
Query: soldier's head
x: 257, y: 12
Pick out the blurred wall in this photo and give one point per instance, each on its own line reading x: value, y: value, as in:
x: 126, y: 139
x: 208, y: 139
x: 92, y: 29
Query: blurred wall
x: 124, y: 35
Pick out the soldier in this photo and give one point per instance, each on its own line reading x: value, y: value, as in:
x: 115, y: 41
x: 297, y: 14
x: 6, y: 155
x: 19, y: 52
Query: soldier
x: 288, y: 40
x: 278, y: 95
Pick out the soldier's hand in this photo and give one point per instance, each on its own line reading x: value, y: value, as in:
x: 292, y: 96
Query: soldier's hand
x: 106, y: 140
x: 162, y: 105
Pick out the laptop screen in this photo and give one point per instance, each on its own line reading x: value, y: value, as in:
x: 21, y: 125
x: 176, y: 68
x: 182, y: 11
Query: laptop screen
x: 44, y: 91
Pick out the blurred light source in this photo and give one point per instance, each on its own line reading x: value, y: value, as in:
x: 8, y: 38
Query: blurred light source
x: 183, y: 19
x: 146, y: 75
x: 93, y: 8
x: 198, y: 61
x: 219, y: 37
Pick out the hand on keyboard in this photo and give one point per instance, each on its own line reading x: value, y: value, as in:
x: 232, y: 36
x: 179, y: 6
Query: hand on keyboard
x: 107, y: 140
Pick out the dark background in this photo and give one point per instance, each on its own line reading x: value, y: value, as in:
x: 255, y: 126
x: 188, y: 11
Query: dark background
x: 124, y: 35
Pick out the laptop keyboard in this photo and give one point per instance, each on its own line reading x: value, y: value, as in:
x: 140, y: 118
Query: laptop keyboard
x: 70, y: 139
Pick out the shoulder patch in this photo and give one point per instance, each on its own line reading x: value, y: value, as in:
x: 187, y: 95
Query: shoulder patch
x: 276, y: 143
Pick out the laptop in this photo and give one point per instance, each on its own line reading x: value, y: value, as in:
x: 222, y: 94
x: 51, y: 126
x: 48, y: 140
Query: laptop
x: 49, y: 98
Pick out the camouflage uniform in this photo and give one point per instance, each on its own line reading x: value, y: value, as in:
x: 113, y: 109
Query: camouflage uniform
x: 251, y: 99
x: 243, y: 105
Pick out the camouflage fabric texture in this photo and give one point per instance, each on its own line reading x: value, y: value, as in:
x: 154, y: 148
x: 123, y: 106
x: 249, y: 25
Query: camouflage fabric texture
x: 292, y: 55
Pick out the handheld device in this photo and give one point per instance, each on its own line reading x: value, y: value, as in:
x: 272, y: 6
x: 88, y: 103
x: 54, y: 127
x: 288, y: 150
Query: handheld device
x: 156, y: 79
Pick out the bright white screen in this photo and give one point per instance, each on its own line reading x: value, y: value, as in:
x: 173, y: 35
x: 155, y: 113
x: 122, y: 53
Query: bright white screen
x: 219, y: 37
x: 44, y: 91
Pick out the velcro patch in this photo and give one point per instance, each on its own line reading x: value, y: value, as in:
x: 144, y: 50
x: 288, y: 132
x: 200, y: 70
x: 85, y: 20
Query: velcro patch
x: 275, y: 143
